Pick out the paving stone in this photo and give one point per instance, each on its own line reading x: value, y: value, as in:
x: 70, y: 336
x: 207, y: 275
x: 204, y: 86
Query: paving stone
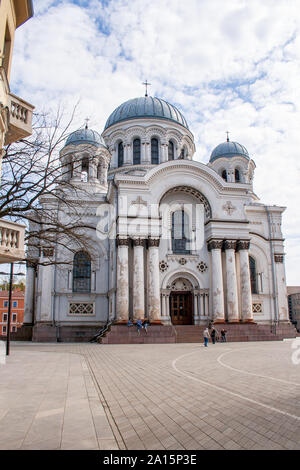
x: 135, y: 399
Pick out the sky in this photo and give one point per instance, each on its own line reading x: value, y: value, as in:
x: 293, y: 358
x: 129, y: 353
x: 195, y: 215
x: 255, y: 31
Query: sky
x: 229, y: 65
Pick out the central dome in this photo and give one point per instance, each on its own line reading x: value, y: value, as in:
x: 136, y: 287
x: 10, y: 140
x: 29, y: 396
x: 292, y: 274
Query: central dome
x: 146, y: 107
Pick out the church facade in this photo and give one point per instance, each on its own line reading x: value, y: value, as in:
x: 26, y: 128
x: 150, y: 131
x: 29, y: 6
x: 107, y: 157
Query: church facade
x: 173, y: 240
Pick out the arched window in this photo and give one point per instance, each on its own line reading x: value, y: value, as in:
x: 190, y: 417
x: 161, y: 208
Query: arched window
x: 180, y: 232
x: 154, y: 152
x: 120, y: 154
x: 85, y: 170
x: 237, y: 175
x: 137, y: 151
x: 224, y: 175
x: 81, y: 272
x: 253, y: 276
x: 170, y: 150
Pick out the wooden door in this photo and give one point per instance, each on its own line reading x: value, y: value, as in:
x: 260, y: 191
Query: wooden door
x: 181, y: 308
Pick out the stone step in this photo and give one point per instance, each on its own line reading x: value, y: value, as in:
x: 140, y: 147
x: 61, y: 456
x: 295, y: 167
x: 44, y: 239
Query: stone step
x: 122, y: 334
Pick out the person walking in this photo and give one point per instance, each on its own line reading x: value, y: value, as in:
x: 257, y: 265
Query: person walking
x: 206, y: 337
x: 213, y: 335
x: 139, y: 326
x: 145, y: 326
x: 223, y: 335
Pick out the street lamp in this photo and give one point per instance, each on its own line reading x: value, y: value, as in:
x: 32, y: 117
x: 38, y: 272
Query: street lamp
x: 11, y: 275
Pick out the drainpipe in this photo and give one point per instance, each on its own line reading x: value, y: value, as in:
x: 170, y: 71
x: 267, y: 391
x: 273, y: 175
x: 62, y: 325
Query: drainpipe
x: 273, y: 271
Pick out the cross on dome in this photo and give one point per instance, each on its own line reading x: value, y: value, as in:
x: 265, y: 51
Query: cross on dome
x: 146, y: 83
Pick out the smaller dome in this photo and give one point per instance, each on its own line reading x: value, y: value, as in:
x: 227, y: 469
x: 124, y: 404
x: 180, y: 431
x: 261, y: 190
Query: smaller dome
x: 229, y: 149
x: 85, y: 136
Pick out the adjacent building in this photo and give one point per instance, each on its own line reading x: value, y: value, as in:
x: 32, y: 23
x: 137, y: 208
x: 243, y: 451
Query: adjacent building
x: 17, y: 310
x: 294, y: 305
x: 15, y: 114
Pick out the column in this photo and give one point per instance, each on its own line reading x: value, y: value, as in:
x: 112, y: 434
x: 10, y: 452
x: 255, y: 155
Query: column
x: 127, y: 154
x: 138, y: 279
x: 29, y: 293
x: 283, y: 312
x: 147, y: 152
x: 164, y: 152
x: 77, y: 166
x: 196, y: 309
x: 217, y: 294
x: 231, y: 279
x: 154, y: 284
x: 114, y: 157
x: 163, y: 305
x: 92, y: 176
x: 206, y: 305
x: 143, y: 152
x: 246, y: 297
x: 122, y: 306
x: 46, y: 285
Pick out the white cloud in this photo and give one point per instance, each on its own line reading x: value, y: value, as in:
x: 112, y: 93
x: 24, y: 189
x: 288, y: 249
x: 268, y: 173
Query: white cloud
x: 231, y: 65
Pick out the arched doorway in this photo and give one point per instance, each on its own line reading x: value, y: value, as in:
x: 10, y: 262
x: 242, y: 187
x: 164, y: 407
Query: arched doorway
x: 181, y: 302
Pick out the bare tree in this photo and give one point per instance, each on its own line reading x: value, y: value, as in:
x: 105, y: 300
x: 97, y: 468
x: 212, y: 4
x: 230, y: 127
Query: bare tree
x: 33, y: 189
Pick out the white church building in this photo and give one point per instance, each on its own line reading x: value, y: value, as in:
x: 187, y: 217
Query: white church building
x: 174, y: 240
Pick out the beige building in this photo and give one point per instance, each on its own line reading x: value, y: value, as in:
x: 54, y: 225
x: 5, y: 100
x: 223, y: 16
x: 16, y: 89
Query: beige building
x: 15, y: 114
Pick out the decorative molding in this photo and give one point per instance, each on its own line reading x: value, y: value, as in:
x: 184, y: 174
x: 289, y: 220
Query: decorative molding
x: 182, y: 261
x: 230, y: 244
x: 81, y: 308
x: 279, y: 258
x: 122, y: 241
x: 229, y: 208
x: 139, y: 241
x: 214, y: 245
x: 163, y: 266
x: 180, y: 284
x: 257, y: 307
x: 139, y: 201
x: 153, y: 242
x: 48, y: 252
x: 194, y: 192
x: 243, y: 245
x: 202, y: 267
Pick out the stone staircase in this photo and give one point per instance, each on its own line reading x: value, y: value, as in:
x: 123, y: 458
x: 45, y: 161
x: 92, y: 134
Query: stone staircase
x: 237, y: 332
x: 122, y: 334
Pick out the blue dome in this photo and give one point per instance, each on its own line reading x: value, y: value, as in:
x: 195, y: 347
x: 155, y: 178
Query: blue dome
x: 228, y: 149
x: 85, y: 136
x: 148, y: 107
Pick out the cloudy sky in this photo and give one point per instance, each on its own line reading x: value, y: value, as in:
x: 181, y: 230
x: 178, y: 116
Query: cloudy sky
x: 227, y: 65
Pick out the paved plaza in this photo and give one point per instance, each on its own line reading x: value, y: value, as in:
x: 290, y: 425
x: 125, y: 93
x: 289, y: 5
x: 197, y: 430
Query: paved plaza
x: 164, y: 396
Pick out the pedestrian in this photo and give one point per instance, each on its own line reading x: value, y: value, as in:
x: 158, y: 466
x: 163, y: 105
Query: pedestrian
x: 213, y: 335
x: 139, y: 326
x: 223, y: 335
x: 145, y: 326
x: 206, y: 337
x: 129, y: 323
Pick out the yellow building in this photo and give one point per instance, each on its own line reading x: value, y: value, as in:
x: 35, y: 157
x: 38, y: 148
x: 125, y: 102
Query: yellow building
x: 15, y: 114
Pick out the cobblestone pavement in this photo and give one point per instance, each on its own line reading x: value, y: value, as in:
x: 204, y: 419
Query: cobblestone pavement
x: 164, y: 396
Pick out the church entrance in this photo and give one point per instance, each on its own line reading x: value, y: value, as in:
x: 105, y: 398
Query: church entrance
x: 181, y: 308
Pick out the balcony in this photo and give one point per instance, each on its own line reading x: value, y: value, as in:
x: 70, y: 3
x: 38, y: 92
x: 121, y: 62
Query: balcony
x: 20, y: 119
x: 11, y: 241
